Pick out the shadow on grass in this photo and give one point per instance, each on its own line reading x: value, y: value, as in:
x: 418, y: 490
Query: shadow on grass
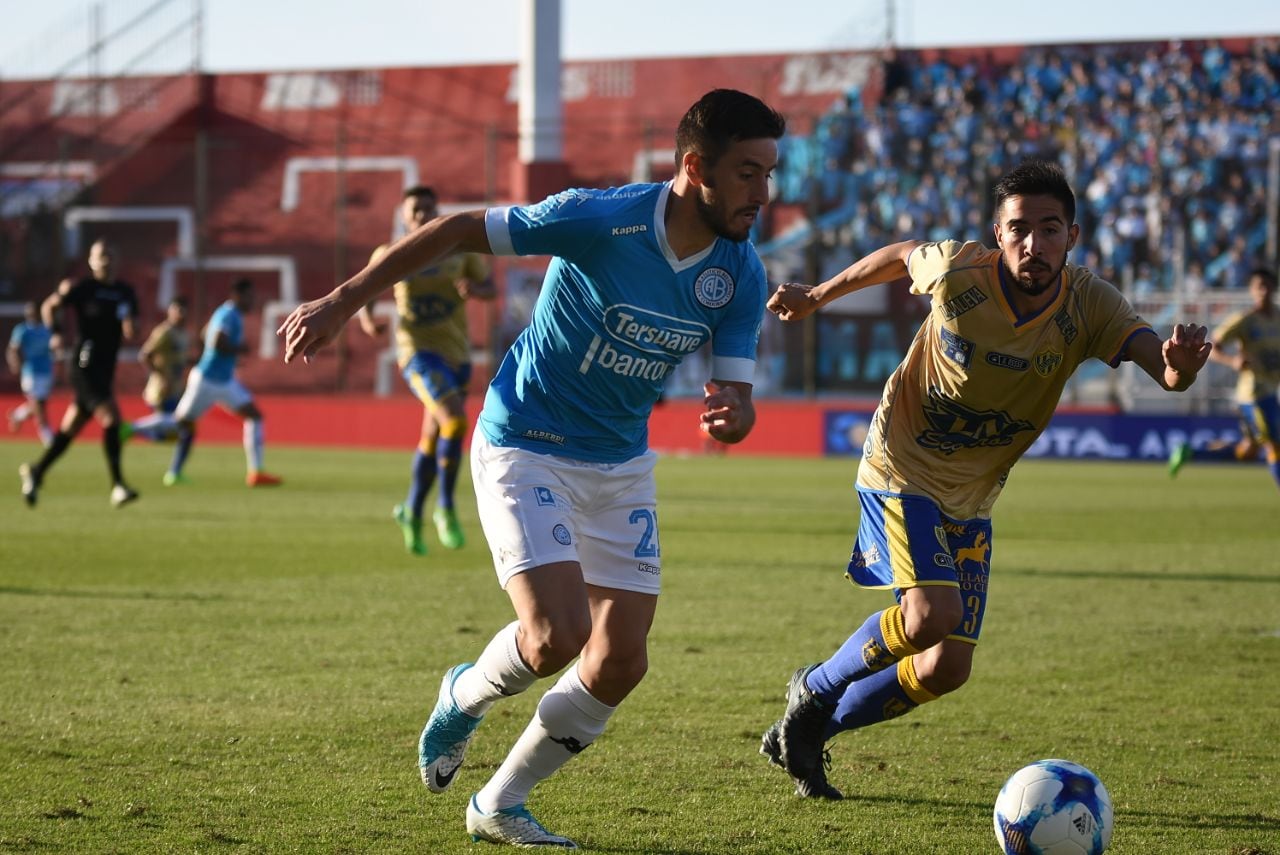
x: 1141, y: 576
x: 1136, y: 818
x: 108, y: 595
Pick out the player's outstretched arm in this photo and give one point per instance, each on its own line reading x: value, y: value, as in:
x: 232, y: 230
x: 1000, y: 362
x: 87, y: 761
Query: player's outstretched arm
x: 792, y: 301
x: 729, y: 414
x: 1174, y: 362
x: 314, y: 324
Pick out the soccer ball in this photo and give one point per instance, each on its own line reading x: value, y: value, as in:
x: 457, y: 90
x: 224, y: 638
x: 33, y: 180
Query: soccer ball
x: 1053, y: 807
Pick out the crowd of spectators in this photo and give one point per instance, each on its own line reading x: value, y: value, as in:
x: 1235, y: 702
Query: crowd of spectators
x: 1167, y: 145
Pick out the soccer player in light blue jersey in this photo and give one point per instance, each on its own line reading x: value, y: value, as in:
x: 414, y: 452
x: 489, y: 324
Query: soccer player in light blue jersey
x: 213, y: 381
x: 30, y: 356
x: 640, y: 277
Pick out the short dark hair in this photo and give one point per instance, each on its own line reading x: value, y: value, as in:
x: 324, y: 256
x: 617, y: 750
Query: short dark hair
x: 420, y: 190
x: 243, y: 285
x: 1268, y: 275
x: 178, y: 300
x: 722, y: 117
x: 1037, y: 178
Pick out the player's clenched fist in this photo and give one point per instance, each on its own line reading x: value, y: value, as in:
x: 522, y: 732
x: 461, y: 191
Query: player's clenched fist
x: 792, y: 301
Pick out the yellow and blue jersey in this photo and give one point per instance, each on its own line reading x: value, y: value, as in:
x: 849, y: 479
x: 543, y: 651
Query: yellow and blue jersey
x: 980, y: 382
x: 431, y: 314
x: 1258, y: 336
x: 167, y: 348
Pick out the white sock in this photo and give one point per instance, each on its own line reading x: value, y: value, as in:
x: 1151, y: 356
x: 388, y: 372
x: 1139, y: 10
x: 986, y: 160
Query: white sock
x: 253, y: 444
x: 21, y: 413
x: 156, y: 426
x: 567, y: 720
x: 498, y: 673
x: 45, y: 434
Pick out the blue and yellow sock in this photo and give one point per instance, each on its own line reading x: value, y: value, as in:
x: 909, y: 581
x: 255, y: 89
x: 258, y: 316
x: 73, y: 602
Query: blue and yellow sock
x: 449, y: 458
x: 878, y: 643
x: 879, y: 697
x: 423, y: 476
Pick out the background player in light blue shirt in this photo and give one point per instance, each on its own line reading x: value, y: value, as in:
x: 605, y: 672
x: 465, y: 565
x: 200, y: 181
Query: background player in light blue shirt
x: 213, y: 381
x: 30, y: 356
x: 641, y: 276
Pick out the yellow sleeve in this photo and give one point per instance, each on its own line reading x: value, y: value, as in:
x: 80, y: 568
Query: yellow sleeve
x: 475, y: 267
x: 1110, y: 321
x: 929, y: 263
x: 1229, y: 329
x: 155, y: 340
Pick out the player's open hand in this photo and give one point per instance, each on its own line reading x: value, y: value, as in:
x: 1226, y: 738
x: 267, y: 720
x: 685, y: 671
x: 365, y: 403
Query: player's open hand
x: 311, y: 326
x: 1185, y: 351
x: 792, y: 301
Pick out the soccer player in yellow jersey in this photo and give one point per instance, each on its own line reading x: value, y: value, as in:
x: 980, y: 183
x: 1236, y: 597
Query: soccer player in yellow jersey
x: 1256, y: 360
x: 434, y: 354
x: 978, y: 384
x: 166, y: 353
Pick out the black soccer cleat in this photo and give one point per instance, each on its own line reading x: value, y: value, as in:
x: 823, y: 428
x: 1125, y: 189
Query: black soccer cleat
x: 802, y: 733
x: 815, y: 786
x: 770, y: 746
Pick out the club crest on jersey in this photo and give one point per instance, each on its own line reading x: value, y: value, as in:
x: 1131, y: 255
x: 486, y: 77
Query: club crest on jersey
x: 1047, y: 362
x: 714, y: 287
x: 956, y: 348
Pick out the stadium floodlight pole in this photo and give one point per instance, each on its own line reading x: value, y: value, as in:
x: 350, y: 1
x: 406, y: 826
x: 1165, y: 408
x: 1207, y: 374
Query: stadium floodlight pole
x: 197, y: 36
x: 540, y: 169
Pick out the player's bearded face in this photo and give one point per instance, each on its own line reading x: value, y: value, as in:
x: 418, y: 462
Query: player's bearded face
x: 1034, y: 238
x: 719, y: 216
x: 733, y: 191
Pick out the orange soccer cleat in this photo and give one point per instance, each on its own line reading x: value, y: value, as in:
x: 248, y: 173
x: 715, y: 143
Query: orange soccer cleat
x: 262, y: 479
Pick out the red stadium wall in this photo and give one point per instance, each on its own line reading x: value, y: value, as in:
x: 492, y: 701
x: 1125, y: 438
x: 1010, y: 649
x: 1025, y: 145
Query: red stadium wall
x: 783, y: 428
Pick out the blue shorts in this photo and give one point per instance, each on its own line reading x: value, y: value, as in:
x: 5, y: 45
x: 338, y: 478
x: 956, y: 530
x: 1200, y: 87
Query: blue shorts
x: 432, y: 378
x: 1260, y: 420
x: 907, y: 542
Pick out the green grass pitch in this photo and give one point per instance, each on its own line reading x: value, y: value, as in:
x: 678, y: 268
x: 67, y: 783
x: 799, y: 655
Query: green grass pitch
x: 215, y: 669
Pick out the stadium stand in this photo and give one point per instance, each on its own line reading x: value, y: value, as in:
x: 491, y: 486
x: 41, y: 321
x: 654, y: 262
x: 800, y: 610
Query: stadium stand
x: 299, y: 173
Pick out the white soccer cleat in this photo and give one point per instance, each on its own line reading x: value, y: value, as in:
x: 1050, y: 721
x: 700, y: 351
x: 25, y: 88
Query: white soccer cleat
x: 513, y: 826
x: 30, y: 487
x: 122, y: 495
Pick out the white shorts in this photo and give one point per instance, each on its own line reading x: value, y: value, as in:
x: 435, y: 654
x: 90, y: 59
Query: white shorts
x: 201, y: 394
x: 37, y: 386
x: 538, y: 509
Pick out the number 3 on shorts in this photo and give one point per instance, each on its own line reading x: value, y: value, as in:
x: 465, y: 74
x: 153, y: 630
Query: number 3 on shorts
x: 647, y: 546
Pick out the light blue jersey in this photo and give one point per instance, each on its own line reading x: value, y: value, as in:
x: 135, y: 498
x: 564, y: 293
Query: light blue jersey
x: 221, y: 367
x: 32, y: 342
x: 617, y: 313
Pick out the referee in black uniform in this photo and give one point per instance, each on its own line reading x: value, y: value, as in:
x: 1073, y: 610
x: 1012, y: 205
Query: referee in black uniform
x: 106, y: 313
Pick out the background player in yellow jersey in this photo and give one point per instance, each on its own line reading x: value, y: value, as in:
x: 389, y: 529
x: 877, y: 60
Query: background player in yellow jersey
x: 166, y: 353
x: 433, y: 350
x: 1255, y: 357
x: 978, y: 384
